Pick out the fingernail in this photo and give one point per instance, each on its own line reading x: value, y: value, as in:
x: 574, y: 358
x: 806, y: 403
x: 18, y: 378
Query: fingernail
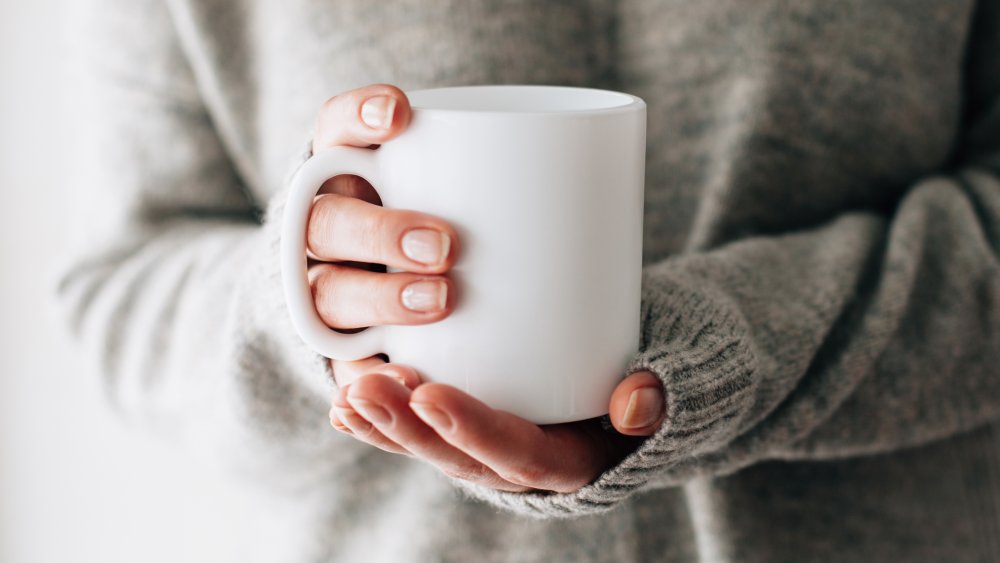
x: 426, y: 296
x: 377, y: 112
x: 348, y: 416
x: 371, y: 411
x: 426, y: 246
x: 336, y: 422
x: 433, y: 416
x: 643, y: 409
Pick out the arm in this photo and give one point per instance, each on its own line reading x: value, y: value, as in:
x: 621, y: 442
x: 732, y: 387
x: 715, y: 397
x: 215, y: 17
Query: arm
x: 863, y: 335
x: 174, y: 284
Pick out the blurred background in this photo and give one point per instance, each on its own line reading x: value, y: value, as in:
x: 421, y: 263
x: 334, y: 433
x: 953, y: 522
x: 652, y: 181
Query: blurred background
x: 75, y: 484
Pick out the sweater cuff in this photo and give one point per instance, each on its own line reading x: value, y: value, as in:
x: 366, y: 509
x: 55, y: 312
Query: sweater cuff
x: 273, y: 320
x: 702, y: 355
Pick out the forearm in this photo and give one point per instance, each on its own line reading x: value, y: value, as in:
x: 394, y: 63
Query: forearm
x: 173, y: 281
x: 864, y: 335
x: 188, y: 329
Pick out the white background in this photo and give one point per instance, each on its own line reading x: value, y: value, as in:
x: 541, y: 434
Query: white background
x: 75, y: 483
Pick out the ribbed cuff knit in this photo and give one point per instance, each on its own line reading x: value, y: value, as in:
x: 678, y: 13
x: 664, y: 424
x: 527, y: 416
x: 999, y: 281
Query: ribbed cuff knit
x: 314, y: 370
x: 702, y: 355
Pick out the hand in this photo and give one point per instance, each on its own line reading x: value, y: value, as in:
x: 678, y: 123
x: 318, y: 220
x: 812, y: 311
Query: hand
x: 384, y: 404
x: 349, y: 233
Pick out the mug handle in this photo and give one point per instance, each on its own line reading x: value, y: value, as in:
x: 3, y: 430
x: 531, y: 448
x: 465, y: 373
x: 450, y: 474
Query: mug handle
x: 298, y: 295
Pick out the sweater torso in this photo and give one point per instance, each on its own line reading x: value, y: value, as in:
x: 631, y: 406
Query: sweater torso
x: 765, y: 117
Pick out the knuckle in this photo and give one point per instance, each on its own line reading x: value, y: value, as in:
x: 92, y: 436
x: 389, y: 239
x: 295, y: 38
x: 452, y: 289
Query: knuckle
x: 319, y: 277
x: 324, y: 298
x: 368, y: 434
x: 384, y: 309
x: 372, y: 238
x: 321, y: 216
x: 353, y: 186
x: 526, y: 474
x: 361, y: 428
x: 327, y: 124
x: 337, y: 424
x: 404, y: 374
x: 336, y: 107
x: 343, y: 373
x: 471, y: 472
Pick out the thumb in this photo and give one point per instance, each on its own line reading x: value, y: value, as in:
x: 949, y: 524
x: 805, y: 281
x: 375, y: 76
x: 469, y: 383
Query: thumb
x: 638, y: 405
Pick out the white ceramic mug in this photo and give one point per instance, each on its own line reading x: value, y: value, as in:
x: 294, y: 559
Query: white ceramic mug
x: 544, y: 186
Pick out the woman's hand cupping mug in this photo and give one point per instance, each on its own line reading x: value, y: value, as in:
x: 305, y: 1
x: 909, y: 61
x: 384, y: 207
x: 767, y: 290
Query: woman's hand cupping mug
x: 387, y: 405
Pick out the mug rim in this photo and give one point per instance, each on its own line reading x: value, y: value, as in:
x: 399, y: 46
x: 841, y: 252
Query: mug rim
x: 419, y: 102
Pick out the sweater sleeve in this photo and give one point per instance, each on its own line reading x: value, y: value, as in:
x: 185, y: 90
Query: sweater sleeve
x: 862, y: 335
x: 174, y: 285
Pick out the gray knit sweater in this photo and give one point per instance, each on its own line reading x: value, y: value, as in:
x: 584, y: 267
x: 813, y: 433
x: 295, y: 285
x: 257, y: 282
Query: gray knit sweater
x: 821, y: 293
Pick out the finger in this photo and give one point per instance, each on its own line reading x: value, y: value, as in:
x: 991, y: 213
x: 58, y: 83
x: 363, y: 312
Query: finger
x: 363, y: 117
x: 356, y: 425
x: 637, y: 405
x: 351, y: 371
x: 343, y: 228
x: 351, y: 186
x: 335, y: 421
x: 344, y: 372
x: 348, y: 298
x: 385, y: 403
x: 557, y: 458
